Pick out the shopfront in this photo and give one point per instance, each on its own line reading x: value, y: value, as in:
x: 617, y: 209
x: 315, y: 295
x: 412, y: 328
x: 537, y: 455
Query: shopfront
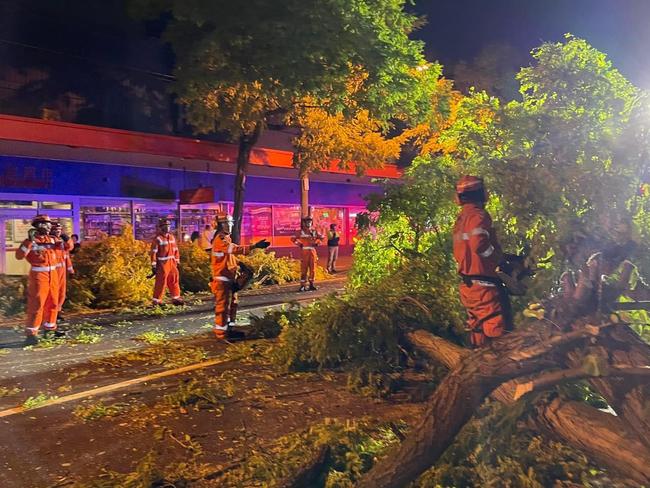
x: 94, y: 217
x: 99, y: 182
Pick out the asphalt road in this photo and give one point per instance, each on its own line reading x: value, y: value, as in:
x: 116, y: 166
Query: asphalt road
x: 120, y: 334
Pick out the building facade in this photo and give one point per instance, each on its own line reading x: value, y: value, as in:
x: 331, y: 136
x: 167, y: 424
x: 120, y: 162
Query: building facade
x: 96, y: 181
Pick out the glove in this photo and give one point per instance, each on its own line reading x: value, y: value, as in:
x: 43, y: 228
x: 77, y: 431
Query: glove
x: 65, y: 237
x: 263, y: 244
x: 153, y: 270
x: 31, y: 234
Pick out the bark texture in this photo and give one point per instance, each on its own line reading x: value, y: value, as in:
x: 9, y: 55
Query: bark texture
x: 246, y: 144
x: 598, y: 434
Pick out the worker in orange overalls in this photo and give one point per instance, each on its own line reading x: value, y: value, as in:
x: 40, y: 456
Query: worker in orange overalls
x: 64, y: 265
x: 224, y: 268
x: 165, y: 259
x: 478, y: 254
x: 307, y: 239
x: 43, y: 281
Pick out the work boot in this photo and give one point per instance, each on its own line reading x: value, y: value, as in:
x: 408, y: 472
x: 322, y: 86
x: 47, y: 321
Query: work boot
x: 54, y: 334
x: 30, y: 340
x: 60, y: 317
x: 302, y: 288
x: 312, y: 287
x: 178, y: 302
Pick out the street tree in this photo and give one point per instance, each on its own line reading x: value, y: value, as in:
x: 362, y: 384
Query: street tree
x: 355, y: 141
x: 238, y: 65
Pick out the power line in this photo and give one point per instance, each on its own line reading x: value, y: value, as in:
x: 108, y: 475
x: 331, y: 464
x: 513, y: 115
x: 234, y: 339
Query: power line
x: 162, y: 76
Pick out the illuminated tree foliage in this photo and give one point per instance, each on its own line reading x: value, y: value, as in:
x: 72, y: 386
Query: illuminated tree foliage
x: 560, y: 163
x: 327, y: 139
x: 239, y: 64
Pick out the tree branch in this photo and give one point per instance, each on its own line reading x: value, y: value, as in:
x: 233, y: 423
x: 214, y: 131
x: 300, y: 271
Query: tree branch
x: 545, y: 347
x: 437, y: 348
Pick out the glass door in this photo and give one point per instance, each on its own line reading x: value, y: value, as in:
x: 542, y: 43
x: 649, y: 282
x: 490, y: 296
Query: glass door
x: 13, y: 231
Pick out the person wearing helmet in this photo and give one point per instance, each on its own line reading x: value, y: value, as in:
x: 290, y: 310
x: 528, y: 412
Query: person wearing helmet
x: 224, y: 268
x: 307, y: 238
x: 64, y: 265
x: 478, y: 254
x: 164, y: 264
x: 43, y: 280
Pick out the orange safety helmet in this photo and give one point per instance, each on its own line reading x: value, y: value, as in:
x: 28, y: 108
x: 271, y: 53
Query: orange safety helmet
x: 41, y: 219
x: 469, y: 183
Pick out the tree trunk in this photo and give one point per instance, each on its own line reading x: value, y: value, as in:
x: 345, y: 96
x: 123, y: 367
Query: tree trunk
x: 596, y: 433
x: 602, y: 436
x: 629, y: 398
x: 246, y: 144
x: 304, y: 195
x: 458, y: 396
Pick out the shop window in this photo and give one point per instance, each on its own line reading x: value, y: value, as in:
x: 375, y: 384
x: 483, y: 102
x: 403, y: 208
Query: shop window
x: 104, y: 219
x: 55, y: 205
x: 352, y: 220
x: 194, y: 218
x: 257, y: 223
x: 17, y: 204
x: 147, y: 216
x: 286, y: 221
x: 324, y: 216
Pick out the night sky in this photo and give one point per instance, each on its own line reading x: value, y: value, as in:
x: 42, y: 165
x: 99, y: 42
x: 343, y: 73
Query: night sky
x: 458, y: 29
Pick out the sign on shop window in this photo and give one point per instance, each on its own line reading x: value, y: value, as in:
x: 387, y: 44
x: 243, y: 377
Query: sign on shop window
x: 257, y: 223
x: 286, y: 223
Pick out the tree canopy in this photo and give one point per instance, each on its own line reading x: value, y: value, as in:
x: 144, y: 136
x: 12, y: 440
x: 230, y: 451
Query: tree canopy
x: 238, y: 64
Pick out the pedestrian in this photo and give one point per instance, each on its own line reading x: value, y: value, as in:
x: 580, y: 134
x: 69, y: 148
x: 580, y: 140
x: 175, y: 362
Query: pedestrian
x: 43, y: 280
x: 76, y: 244
x: 332, y: 248
x: 205, y: 239
x: 307, y: 238
x: 63, y: 246
x: 165, y: 260
x: 224, y: 269
x: 478, y: 254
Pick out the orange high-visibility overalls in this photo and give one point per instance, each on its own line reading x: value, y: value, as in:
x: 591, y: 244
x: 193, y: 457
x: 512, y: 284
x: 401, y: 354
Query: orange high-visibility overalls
x: 478, y: 253
x: 224, y: 267
x: 42, y: 283
x: 63, y: 267
x: 308, y: 256
x: 165, y: 257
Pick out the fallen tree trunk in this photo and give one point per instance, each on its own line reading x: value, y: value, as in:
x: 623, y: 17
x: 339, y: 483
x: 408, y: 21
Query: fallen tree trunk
x: 597, y: 434
x: 629, y: 397
x: 602, y: 436
x: 460, y: 394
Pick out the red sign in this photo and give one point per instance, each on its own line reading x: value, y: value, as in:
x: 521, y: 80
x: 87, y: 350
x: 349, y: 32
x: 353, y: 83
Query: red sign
x: 197, y: 195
